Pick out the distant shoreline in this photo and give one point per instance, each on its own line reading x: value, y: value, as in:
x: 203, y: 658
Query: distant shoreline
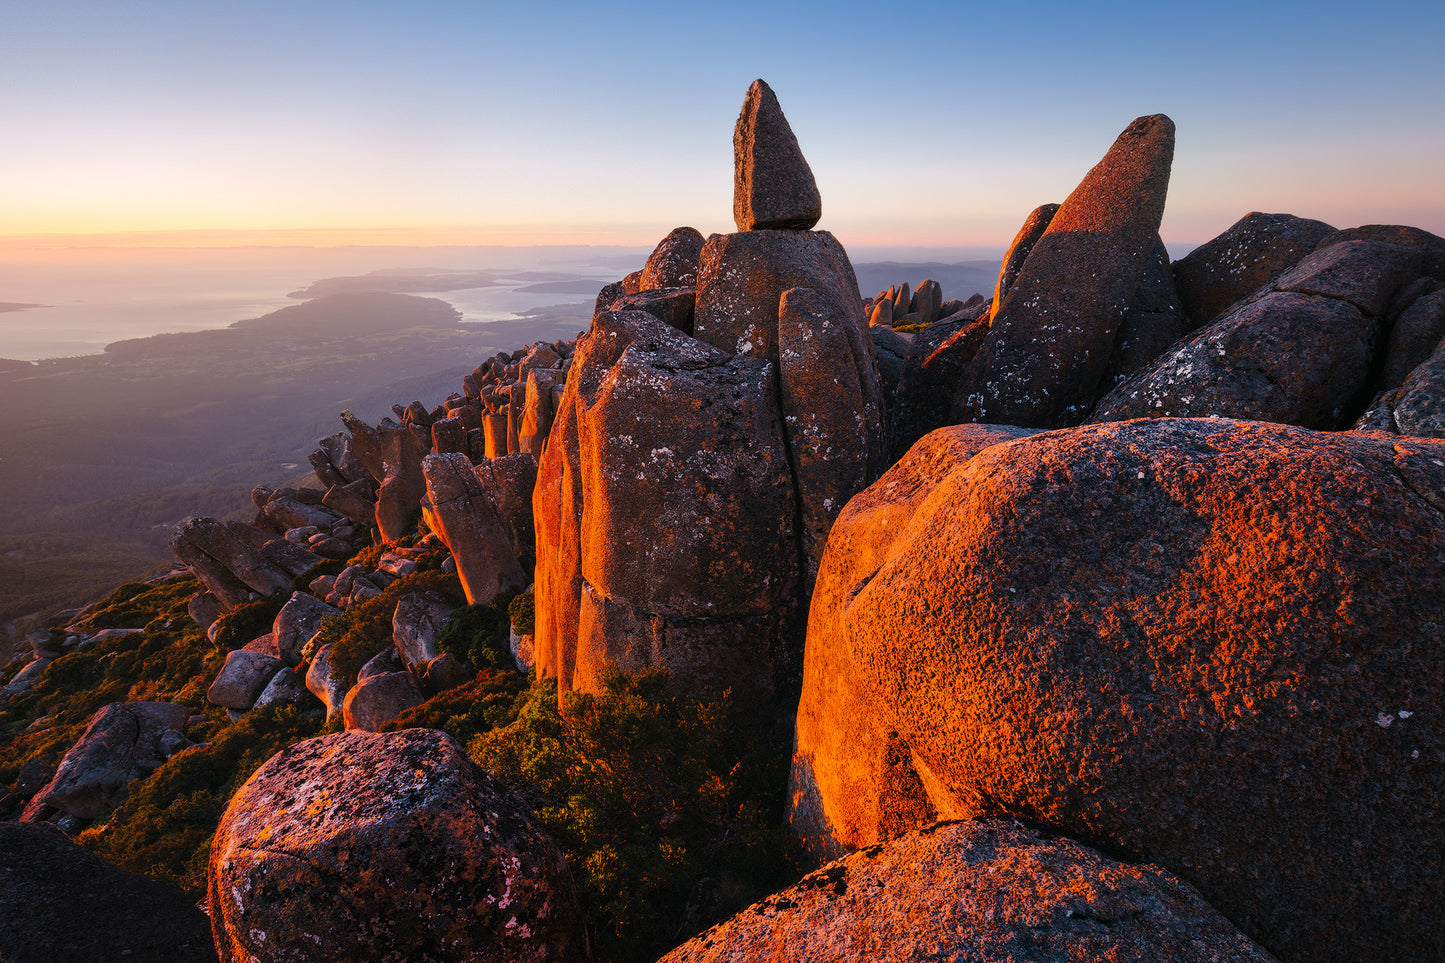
x: 17, y: 306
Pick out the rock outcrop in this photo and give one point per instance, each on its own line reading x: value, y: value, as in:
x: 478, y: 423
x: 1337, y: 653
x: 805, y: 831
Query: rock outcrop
x: 468, y: 518
x: 673, y: 263
x: 1252, y: 252
x: 1050, y: 340
x: 988, y: 890
x: 1417, y: 407
x: 359, y: 846
x: 123, y: 742
x: 1207, y: 643
x: 664, y: 512
x: 1296, y: 352
x: 773, y: 185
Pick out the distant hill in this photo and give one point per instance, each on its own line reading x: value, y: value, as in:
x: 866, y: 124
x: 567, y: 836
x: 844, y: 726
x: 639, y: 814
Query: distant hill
x: 101, y: 454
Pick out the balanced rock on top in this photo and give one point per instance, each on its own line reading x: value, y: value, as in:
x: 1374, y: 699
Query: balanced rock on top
x: 773, y: 185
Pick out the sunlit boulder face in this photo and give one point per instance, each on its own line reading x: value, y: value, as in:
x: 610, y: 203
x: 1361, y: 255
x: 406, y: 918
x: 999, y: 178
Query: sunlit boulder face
x: 1213, y: 645
x: 359, y: 846
x: 987, y: 890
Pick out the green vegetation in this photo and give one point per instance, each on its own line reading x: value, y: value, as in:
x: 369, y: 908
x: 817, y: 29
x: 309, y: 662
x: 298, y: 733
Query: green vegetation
x: 910, y: 328
x: 164, y: 828
x: 478, y: 634
x: 523, y: 612
x: 669, y: 807
x: 365, y: 629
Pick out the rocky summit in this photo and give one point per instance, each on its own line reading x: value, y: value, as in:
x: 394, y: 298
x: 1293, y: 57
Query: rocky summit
x: 1098, y: 619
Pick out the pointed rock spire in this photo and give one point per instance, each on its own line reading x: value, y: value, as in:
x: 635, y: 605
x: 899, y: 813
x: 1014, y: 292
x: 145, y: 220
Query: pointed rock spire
x: 1052, y: 335
x: 773, y: 186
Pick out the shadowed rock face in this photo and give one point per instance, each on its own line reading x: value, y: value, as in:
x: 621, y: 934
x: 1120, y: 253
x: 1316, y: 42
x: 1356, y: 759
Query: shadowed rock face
x: 368, y: 847
x: 1018, y: 252
x: 59, y: 902
x: 1050, y: 341
x: 988, y: 890
x: 1297, y: 352
x: 1417, y: 407
x: 1255, y: 250
x: 1205, y: 642
x: 773, y: 185
x: 470, y: 522
x: 123, y: 742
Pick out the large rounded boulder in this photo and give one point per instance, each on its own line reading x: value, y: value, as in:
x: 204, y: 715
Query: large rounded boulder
x: 1213, y: 645
x: 991, y: 891
x: 360, y: 846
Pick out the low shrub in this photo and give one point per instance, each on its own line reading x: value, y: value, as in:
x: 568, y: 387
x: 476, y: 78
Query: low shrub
x: 248, y: 621
x: 668, y: 807
x: 364, y: 629
x: 523, y: 612
x: 478, y: 634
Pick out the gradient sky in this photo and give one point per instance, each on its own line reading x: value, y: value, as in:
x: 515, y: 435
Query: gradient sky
x: 547, y: 122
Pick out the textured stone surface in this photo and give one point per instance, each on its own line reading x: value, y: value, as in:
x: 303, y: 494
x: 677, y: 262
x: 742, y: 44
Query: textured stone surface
x: 1291, y: 358
x: 286, y: 688
x: 1033, y: 228
x: 392, y: 455
x: 1365, y: 273
x: 742, y: 276
x: 1154, y: 321
x: 242, y: 678
x: 1256, y: 249
x: 386, y: 847
x: 227, y: 558
x: 1430, y: 247
x: 1211, y: 644
x: 123, y: 742
x: 60, y: 903
x: 665, y: 514
x: 1417, y: 407
x: 931, y: 370
x: 832, y: 413
x: 1417, y: 331
x: 511, y: 480
x: 299, y: 619
x: 1050, y: 340
x: 378, y: 699
x: 470, y: 522
x: 417, y: 624
x: 673, y: 263
x: 323, y: 682
x: 675, y: 306
x: 992, y: 891
x: 773, y: 185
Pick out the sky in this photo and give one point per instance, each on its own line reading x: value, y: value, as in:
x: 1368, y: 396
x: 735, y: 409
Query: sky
x: 926, y: 124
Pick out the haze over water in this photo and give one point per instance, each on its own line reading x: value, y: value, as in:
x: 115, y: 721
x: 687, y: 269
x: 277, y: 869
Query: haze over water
x: 96, y: 297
